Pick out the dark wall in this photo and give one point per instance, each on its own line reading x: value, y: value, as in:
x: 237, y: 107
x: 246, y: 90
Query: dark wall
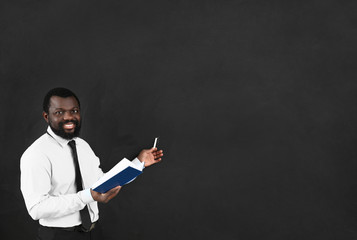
x: 254, y: 102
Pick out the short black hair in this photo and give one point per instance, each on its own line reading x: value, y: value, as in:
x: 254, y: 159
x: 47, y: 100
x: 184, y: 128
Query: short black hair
x: 60, y: 92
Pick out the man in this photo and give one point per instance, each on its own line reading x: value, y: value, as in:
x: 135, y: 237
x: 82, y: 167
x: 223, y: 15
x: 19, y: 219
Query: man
x: 58, y: 170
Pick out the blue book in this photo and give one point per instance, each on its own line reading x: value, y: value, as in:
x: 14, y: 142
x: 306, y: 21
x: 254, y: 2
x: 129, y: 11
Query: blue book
x: 122, y: 173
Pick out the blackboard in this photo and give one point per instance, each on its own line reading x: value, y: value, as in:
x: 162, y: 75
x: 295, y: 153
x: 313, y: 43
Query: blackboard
x: 254, y: 103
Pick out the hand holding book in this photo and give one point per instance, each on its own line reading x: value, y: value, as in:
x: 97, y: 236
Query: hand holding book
x: 105, y: 197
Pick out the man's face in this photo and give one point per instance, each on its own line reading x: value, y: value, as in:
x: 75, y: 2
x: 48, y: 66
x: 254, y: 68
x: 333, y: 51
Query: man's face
x: 64, y: 117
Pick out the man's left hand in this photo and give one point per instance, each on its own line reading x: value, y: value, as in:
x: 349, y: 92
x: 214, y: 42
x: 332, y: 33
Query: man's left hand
x: 150, y: 156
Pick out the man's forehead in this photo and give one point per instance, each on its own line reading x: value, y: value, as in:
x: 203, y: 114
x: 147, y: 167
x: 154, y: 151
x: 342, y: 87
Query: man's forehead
x: 61, y: 102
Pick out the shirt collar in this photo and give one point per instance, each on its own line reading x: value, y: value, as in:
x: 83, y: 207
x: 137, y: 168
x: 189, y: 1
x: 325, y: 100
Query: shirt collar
x: 63, y: 142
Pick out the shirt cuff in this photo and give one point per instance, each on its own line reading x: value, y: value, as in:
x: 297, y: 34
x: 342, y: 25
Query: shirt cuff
x: 86, y: 196
x: 137, y: 162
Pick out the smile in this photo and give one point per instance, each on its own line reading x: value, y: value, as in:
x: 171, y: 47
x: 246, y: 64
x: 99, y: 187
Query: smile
x: 69, y: 126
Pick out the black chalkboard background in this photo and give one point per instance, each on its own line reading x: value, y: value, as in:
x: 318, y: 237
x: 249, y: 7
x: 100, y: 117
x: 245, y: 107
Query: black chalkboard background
x: 254, y: 103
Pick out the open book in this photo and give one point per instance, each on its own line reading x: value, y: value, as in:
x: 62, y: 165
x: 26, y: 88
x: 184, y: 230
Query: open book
x: 122, y: 173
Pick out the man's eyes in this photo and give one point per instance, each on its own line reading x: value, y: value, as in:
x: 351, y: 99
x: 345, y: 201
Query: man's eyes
x: 62, y: 112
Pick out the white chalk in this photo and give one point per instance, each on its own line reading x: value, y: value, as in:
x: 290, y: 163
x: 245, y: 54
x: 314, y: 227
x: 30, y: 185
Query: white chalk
x: 155, y: 142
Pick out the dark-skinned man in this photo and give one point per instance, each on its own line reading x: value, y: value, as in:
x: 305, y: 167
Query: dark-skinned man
x: 56, y: 163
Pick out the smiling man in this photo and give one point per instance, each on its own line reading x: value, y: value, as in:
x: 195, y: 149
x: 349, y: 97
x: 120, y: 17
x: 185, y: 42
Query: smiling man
x: 64, y: 117
x: 58, y: 170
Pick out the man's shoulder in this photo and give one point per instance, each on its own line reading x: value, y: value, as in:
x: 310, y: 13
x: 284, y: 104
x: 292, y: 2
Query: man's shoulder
x: 83, y: 145
x: 39, y: 146
x: 81, y: 141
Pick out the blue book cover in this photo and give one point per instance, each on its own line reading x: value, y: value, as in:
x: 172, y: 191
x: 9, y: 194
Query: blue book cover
x: 120, y: 179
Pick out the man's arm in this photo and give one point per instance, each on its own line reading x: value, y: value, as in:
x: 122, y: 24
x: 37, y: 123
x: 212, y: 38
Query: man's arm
x: 36, y: 189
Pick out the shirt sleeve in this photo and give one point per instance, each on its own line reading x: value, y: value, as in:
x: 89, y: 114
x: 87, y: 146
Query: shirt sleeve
x: 140, y: 165
x: 36, y: 189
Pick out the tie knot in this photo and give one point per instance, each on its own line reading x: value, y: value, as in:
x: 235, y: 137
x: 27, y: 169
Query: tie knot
x: 72, y: 144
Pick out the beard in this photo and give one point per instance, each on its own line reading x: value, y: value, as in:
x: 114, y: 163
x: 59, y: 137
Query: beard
x: 61, y: 132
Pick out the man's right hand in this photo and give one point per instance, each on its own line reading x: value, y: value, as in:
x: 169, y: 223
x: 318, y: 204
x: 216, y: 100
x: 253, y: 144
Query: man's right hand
x: 105, y: 197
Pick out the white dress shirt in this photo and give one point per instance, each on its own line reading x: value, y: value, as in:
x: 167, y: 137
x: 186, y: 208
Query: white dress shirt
x: 48, y: 180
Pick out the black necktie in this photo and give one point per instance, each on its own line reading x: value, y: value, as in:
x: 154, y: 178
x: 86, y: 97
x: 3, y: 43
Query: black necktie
x: 86, y: 222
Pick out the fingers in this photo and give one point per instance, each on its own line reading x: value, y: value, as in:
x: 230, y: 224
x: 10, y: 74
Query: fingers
x: 105, y: 197
x: 158, y: 154
x: 110, y: 194
x: 152, y: 150
x: 113, y: 191
x: 150, y: 156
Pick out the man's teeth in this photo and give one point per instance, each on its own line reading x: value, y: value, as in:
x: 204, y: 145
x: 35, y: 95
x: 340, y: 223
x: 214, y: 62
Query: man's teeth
x: 69, y: 125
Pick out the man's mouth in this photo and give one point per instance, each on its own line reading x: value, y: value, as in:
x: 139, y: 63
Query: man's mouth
x: 69, y: 126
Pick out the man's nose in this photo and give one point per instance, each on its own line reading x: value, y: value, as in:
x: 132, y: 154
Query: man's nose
x: 67, y: 115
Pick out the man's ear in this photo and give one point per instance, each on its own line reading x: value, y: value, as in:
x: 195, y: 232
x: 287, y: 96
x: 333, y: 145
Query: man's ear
x: 45, y: 116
